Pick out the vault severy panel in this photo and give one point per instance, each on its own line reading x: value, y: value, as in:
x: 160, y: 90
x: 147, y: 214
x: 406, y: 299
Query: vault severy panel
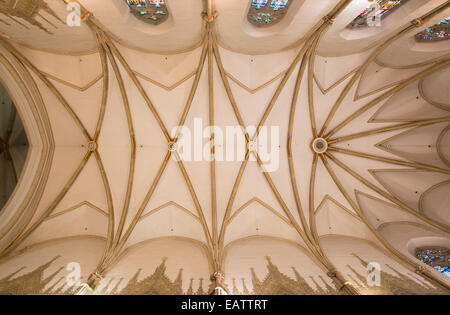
x: 417, y: 144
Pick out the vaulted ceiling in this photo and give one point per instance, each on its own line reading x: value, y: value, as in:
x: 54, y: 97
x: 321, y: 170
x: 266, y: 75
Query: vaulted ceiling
x: 103, y: 187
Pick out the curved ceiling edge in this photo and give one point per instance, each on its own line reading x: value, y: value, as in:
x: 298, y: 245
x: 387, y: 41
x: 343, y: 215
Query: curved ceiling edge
x: 22, y: 89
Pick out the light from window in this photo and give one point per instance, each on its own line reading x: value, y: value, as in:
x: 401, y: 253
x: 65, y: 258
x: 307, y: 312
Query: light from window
x: 437, y: 32
x: 436, y: 257
x: 267, y: 12
x: 376, y: 10
x: 149, y: 11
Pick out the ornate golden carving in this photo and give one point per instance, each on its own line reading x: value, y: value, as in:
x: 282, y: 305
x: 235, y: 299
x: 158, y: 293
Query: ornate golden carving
x: 276, y: 279
x: 274, y: 283
x: 417, y: 22
x: 94, y: 279
x: 328, y: 19
x: 395, y: 284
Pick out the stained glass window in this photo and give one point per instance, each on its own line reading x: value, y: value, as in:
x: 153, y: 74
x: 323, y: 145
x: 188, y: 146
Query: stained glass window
x: 375, y: 12
x: 150, y: 11
x: 437, y: 32
x: 267, y: 12
x: 436, y: 257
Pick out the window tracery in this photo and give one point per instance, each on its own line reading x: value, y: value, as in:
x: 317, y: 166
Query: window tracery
x: 437, y: 32
x: 375, y: 12
x: 436, y: 257
x: 267, y: 12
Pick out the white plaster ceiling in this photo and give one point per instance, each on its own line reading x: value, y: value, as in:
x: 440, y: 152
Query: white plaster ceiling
x: 253, y: 61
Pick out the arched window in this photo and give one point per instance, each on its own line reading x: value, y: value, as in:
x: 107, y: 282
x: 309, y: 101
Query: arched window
x: 376, y: 11
x: 267, y: 12
x: 436, y: 257
x: 149, y: 11
x: 437, y: 32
